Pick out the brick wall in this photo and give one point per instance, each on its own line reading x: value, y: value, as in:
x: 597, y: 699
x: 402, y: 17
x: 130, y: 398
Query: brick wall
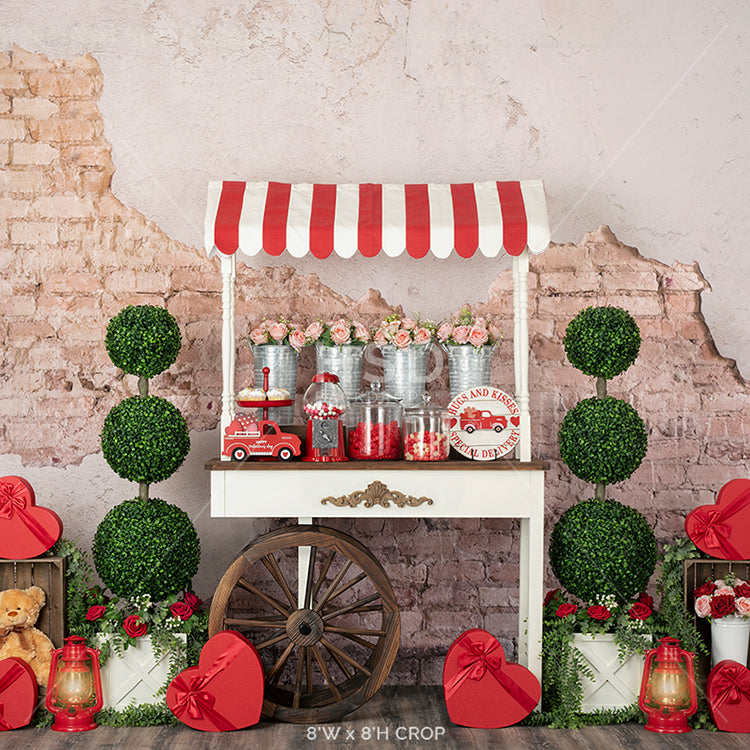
x: 72, y: 256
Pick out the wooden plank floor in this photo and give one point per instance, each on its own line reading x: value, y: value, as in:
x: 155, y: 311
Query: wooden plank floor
x: 397, y: 717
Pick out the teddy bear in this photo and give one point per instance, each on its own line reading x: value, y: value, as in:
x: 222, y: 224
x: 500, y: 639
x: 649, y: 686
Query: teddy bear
x: 19, y: 610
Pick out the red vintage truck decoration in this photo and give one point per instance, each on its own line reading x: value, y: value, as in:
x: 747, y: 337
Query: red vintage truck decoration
x: 471, y: 419
x: 246, y: 437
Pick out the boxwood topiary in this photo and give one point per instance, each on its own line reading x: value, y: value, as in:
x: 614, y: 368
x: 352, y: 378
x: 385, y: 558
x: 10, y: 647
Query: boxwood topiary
x: 145, y: 439
x: 602, y: 341
x: 602, y: 547
x: 602, y: 440
x: 143, y: 340
x: 146, y: 547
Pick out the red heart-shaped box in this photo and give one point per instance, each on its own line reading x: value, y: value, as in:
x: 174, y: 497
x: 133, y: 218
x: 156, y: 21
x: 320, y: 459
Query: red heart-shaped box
x: 25, y: 529
x: 18, y: 693
x: 225, y: 690
x: 723, y: 530
x: 728, y: 690
x: 481, y: 689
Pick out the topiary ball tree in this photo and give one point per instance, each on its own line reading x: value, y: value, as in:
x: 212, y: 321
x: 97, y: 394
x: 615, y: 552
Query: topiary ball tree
x: 143, y: 340
x: 146, y: 548
x: 602, y: 341
x: 602, y: 547
x: 145, y: 439
x: 603, y: 440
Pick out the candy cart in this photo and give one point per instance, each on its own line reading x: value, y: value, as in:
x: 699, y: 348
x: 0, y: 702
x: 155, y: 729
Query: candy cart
x: 315, y: 602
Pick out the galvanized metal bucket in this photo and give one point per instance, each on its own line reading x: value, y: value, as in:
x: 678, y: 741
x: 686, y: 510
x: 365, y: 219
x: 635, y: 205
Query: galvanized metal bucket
x: 344, y: 361
x: 468, y: 367
x: 404, y: 372
x: 281, y: 361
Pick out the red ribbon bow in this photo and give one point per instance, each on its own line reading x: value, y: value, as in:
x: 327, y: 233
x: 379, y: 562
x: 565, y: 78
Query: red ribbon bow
x: 477, y: 661
x: 14, y: 501
x: 712, y: 530
x: 731, y: 685
x: 197, y: 702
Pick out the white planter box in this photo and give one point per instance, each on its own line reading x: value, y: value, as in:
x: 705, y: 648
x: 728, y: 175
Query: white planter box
x: 614, y: 685
x: 135, y: 676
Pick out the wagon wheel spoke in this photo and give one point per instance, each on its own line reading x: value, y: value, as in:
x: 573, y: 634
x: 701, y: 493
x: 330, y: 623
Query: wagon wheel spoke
x: 339, y: 661
x: 358, y: 606
x: 326, y: 674
x: 323, y: 573
x: 351, y: 634
x: 256, y: 622
x: 271, y: 641
x: 275, y: 672
x: 273, y: 568
x: 310, y: 578
x: 275, y: 603
x: 336, y: 581
x: 343, y: 655
x: 301, y: 657
x: 352, y: 582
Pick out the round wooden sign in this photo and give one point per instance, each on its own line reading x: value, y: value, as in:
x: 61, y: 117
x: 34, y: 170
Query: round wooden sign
x: 484, y: 423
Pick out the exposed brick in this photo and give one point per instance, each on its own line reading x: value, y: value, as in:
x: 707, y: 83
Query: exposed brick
x: 25, y: 60
x: 63, y: 130
x: 62, y: 83
x: 73, y: 283
x: 12, y: 129
x: 34, y: 153
x: 33, y: 232
x: 34, y: 106
x: 11, y: 81
x: 63, y: 207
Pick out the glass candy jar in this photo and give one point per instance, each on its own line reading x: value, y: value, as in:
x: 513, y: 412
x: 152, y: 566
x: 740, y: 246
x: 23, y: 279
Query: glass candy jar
x: 375, y: 426
x: 324, y: 404
x: 426, y: 432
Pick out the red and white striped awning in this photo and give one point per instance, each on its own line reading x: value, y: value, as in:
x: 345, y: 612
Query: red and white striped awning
x: 248, y: 217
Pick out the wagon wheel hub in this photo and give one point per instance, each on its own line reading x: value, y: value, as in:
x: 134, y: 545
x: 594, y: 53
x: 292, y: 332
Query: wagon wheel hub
x: 304, y: 627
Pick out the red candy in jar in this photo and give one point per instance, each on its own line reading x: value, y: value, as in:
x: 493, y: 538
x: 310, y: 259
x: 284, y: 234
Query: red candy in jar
x: 374, y: 426
x: 426, y: 432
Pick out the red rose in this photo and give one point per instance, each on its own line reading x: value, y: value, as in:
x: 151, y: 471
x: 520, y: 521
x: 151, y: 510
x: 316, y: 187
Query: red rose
x: 644, y: 598
x: 134, y: 627
x: 599, y: 612
x: 181, y: 610
x: 565, y: 609
x: 550, y: 596
x: 95, y: 612
x: 743, y: 589
x: 722, y: 605
x: 706, y: 589
x: 640, y: 611
x: 192, y: 601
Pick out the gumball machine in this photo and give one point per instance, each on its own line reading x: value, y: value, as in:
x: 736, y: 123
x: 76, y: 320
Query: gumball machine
x: 324, y: 406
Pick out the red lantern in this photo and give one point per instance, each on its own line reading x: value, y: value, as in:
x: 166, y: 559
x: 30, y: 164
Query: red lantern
x: 668, y: 693
x: 74, y: 694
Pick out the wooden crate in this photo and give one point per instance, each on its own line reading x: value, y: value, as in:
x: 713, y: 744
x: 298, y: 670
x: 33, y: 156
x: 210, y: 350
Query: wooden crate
x: 49, y: 574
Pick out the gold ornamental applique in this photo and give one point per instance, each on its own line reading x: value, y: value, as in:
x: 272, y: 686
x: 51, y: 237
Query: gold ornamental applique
x: 376, y: 493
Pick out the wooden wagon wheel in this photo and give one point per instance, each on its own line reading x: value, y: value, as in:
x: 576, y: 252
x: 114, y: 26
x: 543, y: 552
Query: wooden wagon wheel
x: 327, y: 644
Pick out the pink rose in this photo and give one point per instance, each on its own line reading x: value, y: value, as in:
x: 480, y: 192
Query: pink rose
x: 134, y: 627
x: 409, y: 324
x: 314, y: 331
x: 402, y: 339
x: 478, y: 336
x: 461, y: 334
x: 95, y: 612
x: 361, y: 333
x: 494, y: 331
x: 297, y: 339
x: 379, y: 337
x: 181, y: 610
x: 480, y: 322
x: 422, y: 336
x: 392, y: 328
x: 192, y: 601
x: 278, y: 331
x: 340, y: 333
x: 742, y: 604
x: 258, y: 336
x: 445, y: 332
x: 703, y: 606
x: 724, y: 591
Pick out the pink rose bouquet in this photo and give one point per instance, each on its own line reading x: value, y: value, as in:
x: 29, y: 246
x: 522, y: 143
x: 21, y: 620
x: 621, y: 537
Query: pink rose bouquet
x: 465, y: 328
x: 726, y: 596
x: 404, y: 332
x: 337, y: 333
x: 280, y: 331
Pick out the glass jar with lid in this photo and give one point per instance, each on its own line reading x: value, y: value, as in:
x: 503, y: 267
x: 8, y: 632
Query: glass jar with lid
x: 426, y: 432
x: 324, y: 406
x: 375, y: 425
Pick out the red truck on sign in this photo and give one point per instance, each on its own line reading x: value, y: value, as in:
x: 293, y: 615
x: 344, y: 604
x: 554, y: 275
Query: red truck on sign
x: 246, y: 437
x: 480, y: 419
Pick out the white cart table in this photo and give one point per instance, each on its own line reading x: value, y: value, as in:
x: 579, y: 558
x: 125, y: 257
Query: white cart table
x: 243, y: 219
